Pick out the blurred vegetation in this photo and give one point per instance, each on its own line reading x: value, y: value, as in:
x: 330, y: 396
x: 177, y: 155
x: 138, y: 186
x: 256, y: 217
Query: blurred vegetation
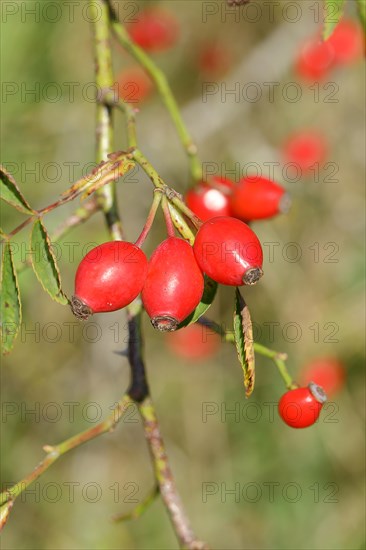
x: 225, y: 449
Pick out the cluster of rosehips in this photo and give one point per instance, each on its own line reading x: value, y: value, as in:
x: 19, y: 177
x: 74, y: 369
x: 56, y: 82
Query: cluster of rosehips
x: 317, y: 57
x: 253, y: 198
x: 171, y: 283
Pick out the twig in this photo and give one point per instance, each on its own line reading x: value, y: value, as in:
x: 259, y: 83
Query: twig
x: 54, y: 452
x: 164, y: 89
x: 277, y: 357
x: 104, y: 132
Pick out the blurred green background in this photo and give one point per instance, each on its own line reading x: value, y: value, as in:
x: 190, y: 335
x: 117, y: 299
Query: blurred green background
x: 68, y: 372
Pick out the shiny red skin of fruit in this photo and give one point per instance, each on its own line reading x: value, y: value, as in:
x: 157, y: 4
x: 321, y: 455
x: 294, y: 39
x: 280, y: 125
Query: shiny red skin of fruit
x: 195, y: 342
x: 226, y: 249
x: 256, y: 198
x: 133, y: 85
x: 315, y: 60
x: 305, y: 149
x: 111, y: 276
x: 347, y: 41
x: 327, y: 372
x: 207, y: 201
x: 154, y: 30
x: 174, y: 282
x: 299, y: 408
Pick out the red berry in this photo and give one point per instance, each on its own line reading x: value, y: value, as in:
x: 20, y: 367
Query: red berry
x: 193, y: 342
x: 133, y: 85
x: 301, y: 407
x: 229, y: 252
x: 108, y: 278
x: 327, y: 372
x: 208, y: 201
x: 214, y: 59
x: 305, y: 149
x: 315, y: 60
x: 173, y: 286
x: 347, y: 41
x: 154, y: 30
x: 257, y: 198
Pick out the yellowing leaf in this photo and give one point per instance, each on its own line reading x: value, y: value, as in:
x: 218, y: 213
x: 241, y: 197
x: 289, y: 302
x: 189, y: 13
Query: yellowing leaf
x: 243, y: 333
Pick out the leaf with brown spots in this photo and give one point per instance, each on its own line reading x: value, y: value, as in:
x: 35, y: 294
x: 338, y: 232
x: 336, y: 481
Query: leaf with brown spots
x: 243, y: 332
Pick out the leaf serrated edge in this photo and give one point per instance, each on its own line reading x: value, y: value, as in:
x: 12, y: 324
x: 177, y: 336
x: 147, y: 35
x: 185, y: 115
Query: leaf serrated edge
x: 26, y: 208
x: 6, y: 245
x: 241, y: 346
x: 61, y: 298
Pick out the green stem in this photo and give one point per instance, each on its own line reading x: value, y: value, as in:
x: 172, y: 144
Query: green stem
x: 99, y: 13
x: 277, y: 357
x: 140, y: 508
x: 150, y: 218
x: 54, y: 452
x: 148, y: 169
x: 111, y: 100
x: 164, y: 89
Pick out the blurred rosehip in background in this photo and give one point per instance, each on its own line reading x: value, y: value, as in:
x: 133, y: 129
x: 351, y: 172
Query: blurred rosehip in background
x: 195, y: 342
x: 315, y: 60
x: 134, y: 85
x: 154, y: 30
x: 327, y: 372
x: 305, y: 148
x: 214, y: 60
x: 347, y: 42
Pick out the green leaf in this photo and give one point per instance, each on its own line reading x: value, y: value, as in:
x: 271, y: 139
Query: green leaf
x: 208, y: 296
x: 361, y: 4
x: 243, y: 332
x: 11, y: 312
x: 10, y: 193
x: 44, y: 263
x: 333, y: 14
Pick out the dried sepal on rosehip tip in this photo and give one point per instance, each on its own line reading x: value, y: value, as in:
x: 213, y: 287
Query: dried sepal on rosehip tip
x: 80, y: 309
x: 318, y: 392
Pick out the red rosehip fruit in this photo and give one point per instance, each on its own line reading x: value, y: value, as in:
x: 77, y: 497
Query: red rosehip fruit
x: 173, y: 286
x: 229, y: 252
x: 347, y: 41
x: 194, y: 342
x: 154, y: 30
x: 305, y: 149
x: 108, y: 278
x: 315, y: 60
x: 214, y: 60
x: 301, y: 407
x: 327, y: 372
x: 257, y: 198
x: 210, y: 200
x: 133, y: 85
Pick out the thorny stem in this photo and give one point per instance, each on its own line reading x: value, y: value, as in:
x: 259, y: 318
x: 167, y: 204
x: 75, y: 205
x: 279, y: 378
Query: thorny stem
x: 163, y: 87
x: 277, y: 357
